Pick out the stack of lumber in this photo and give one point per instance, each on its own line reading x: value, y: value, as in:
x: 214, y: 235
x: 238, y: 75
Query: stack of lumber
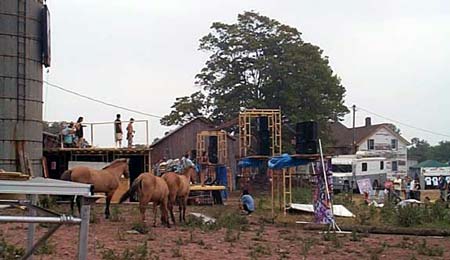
x: 13, y: 176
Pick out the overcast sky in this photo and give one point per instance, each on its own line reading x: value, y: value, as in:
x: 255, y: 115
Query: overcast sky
x: 392, y: 56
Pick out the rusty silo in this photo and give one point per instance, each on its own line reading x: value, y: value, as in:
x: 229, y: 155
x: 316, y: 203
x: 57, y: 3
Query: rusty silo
x: 24, y: 49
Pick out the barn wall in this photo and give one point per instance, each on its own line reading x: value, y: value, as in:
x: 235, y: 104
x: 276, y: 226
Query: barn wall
x: 179, y: 142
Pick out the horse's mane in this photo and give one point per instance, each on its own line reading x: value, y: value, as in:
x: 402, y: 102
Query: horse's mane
x: 113, y: 163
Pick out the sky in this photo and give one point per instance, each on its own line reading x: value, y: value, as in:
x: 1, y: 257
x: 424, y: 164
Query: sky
x: 392, y: 57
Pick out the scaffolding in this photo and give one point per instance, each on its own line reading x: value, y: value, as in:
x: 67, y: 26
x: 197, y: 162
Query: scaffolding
x: 222, y: 147
x: 245, y: 130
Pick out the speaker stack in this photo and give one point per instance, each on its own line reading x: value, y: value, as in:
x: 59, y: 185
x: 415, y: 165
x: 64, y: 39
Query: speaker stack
x: 263, y: 136
x: 212, y: 150
x: 306, y: 138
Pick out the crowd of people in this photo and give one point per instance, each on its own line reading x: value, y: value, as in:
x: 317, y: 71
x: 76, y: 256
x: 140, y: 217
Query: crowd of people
x: 73, y: 134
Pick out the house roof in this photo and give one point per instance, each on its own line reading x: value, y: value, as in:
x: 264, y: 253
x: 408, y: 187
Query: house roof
x: 429, y: 164
x: 343, y: 136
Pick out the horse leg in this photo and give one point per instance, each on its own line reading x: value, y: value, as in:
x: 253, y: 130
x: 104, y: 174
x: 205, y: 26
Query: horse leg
x: 78, y: 200
x: 155, y: 211
x: 142, y: 210
x: 180, y: 207
x: 164, y: 214
x: 184, y: 209
x: 170, y: 203
x: 108, y: 202
x: 72, y: 204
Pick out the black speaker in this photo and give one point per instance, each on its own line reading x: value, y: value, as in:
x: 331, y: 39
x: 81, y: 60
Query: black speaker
x: 212, y: 150
x: 306, y: 131
x: 263, y: 136
x: 306, y: 147
x: 306, y: 137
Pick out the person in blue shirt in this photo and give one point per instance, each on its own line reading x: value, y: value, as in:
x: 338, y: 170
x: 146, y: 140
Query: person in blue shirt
x: 68, y: 135
x: 248, y: 203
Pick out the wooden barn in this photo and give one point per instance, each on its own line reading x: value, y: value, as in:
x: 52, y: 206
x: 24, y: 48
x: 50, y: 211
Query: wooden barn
x: 183, y: 139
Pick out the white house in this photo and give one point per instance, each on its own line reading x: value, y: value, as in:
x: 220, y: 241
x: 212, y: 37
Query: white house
x: 378, y: 140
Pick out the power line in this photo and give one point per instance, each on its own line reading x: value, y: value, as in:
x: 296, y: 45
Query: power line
x: 100, y: 101
x: 401, y: 123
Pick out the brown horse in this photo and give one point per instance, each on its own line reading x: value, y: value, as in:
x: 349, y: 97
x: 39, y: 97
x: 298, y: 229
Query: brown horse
x: 105, y: 180
x: 179, y: 188
x: 150, y: 188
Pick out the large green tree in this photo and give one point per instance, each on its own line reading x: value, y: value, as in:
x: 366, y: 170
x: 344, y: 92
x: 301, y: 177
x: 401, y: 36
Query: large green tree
x: 259, y: 62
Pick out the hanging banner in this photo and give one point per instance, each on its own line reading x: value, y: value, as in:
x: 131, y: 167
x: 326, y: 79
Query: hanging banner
x: 323, y: 193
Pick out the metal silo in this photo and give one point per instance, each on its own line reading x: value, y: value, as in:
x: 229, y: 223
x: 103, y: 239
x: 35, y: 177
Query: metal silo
x: 22, y: 34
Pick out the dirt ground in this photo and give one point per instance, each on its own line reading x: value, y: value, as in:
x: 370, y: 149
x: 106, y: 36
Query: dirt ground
x: 259, y: 240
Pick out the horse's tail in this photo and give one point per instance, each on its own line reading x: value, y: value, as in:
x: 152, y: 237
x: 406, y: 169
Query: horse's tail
x: 132, y: 190
x: 67, y: 175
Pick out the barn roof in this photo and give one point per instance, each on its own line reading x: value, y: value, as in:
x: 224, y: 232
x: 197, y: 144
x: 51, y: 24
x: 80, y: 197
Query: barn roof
x: 203, y: 119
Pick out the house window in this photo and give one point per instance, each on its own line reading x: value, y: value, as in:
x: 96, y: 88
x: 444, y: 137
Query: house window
x: 394, y: 166
x: 370, y: 144
x: 381, y: 165
x: 364, y: 167
x: 394, y: 144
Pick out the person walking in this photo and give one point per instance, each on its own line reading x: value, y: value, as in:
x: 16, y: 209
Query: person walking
x: 79, y: 132
x: 130, y: 133
x: 118, y: 131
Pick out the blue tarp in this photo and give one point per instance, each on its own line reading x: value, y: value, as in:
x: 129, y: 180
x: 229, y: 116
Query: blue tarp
x: 286, y: 161
x: 250, y: 163
x: 221, y: 177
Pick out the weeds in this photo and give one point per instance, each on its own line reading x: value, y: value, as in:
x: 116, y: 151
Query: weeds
x: 46, y: 248
x: 307, y: 244
x: 139, y: 227
x: 176, y: 252
x: 331, y: 236
x: 423, y: 249
x: 231, y: 237
x: 355, y: 237
x: 8, y: 251
x: 258, y: 251
x: 138, y: 253
x: 115, y: 214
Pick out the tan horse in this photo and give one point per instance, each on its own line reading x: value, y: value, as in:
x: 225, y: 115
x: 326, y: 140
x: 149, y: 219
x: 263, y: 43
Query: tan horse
x: 150, y: 188
x: 106, y: 180
x: 179, y: 188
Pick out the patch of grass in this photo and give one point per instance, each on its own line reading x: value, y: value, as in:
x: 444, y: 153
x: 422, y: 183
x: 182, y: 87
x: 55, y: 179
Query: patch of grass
x: 115, y: 214
x: 8, y: 251
x: 47, y: 248
x: 355, y: 237
x: 306, y: 246
x: 331, y: 236
x: 231, y: 237
x: 179, y: 241
x: 259, y: 232
x: 409, y: 216
x: 232, y: 221
x: 140, y: 227
x: 176, y: 252
x: 139, y: 253
x: 423, y: 249
x: 93, y: 218
x: 259, y: 250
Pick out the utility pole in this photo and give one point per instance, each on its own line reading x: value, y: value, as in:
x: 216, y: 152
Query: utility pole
x: 354, y: 132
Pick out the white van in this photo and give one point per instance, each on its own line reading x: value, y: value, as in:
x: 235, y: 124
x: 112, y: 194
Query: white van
x: 347, y: 169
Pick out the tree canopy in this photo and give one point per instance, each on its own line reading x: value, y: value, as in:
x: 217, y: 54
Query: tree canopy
x: 421, y: 150
x: 259, y: 62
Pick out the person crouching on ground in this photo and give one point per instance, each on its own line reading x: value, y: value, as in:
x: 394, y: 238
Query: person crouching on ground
x: 247, y: 203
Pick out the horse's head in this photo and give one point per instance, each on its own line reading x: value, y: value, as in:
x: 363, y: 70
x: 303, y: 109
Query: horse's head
x: 119, y: 166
